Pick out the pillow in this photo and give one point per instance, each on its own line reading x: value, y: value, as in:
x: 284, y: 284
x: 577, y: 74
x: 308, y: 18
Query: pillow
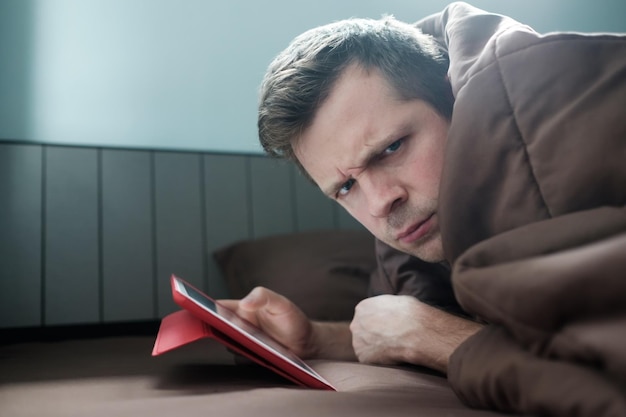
x: 325, y: 273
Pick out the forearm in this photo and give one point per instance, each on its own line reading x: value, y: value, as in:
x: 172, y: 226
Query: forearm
x: 449, y: 333
x: 392, y: 329
x: 331, y: 340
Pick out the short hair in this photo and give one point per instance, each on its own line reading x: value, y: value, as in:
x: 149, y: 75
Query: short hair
x: 302, y: 76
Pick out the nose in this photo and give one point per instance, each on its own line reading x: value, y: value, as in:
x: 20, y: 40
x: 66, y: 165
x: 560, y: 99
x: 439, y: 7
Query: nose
x: 383, y: 194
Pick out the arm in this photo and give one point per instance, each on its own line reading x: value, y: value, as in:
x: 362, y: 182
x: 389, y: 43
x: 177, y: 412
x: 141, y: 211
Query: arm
x: 386, y: 329
x: 420, y: 334
x: 392, y: 329
x: 286, y: 323
x: 332, y: 341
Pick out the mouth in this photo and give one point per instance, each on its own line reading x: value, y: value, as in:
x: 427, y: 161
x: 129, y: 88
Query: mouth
x: 416, y: 231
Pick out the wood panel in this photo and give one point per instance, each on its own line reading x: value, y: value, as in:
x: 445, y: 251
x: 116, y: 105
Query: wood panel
x: 90, y: 235
x: 179, y: 224
x: 272, y: 196
x: 20, y: 235
x: 72, y: 281
x: 127, y: 238
x: 345, y: 221
x: 314, y: 211
x: 227, y: 209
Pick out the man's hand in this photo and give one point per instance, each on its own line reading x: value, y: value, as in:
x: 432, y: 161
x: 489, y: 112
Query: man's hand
x: 285, y: 322
x: 278, y: 317
x: 391, y: 329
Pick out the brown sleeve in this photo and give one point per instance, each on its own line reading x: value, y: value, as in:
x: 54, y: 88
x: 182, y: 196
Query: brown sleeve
x: 402, y: 274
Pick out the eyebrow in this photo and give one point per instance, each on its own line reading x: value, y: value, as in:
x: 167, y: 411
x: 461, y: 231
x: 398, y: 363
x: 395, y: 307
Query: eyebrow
x: 331, y: 190
x: 367, y: 158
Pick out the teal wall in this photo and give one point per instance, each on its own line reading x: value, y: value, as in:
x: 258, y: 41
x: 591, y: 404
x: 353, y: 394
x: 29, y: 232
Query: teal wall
x: 184, y: 74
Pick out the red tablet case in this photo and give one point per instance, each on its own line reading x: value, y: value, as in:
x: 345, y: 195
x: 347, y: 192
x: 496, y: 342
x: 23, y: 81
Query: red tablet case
x: 184, y: 327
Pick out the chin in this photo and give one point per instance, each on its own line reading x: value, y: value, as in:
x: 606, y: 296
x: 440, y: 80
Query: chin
x: 430, y: 250
x: 429, y: 257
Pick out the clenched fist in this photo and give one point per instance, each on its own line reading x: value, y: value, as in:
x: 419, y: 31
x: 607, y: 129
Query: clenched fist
x: 392, y: 329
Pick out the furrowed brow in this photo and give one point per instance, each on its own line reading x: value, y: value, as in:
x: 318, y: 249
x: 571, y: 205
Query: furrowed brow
x: 365, y: 160
x: 332, y: 190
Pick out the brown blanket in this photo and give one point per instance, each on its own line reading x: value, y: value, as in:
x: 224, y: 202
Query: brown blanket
x: 532, y: 214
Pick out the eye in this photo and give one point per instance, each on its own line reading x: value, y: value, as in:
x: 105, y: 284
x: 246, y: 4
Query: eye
x: 393, y: 147
x: 345, y: 188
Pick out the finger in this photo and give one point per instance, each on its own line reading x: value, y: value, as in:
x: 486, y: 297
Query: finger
x: 235, y: 307
x: 268, y: 300
x: 232, y: 305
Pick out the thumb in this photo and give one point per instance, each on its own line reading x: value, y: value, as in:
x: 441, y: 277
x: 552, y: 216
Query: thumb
x: 263, y: 298
x: 255, y: 299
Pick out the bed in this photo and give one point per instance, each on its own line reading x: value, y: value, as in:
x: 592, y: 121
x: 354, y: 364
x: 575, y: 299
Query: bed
x: 117, y: 376
x: 109, y: 370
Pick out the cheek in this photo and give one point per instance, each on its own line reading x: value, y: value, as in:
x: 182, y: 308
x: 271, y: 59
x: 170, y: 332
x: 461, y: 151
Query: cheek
x: 426, y: 169
x: 358, y: 210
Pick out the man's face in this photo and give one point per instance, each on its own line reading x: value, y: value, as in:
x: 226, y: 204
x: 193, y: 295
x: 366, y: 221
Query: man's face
x: 381, y: 158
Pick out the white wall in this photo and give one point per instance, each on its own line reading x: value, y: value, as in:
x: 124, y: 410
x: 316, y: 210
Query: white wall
x: 184, y: 74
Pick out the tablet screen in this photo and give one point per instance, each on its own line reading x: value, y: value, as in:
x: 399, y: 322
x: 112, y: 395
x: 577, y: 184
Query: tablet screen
x: 243, y: 327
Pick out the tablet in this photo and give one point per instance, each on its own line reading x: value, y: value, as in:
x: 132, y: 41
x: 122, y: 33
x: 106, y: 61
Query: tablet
x: 244, y: 338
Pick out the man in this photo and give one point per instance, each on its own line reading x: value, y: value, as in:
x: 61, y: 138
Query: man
x: 520, y: 191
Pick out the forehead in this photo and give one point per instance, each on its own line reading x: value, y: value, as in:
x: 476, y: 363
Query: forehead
x: 359, y: 113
